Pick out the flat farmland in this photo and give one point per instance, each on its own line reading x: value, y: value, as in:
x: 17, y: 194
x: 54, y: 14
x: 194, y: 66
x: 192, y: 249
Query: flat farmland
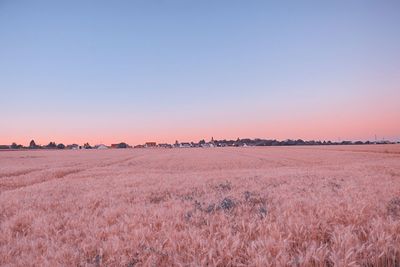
x: 262, y: 206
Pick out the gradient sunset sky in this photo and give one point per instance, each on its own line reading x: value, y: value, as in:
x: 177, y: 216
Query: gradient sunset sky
x: 136, y: 71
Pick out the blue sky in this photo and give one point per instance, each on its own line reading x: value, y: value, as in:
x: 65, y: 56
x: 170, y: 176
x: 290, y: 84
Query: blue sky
x: 162, y: 70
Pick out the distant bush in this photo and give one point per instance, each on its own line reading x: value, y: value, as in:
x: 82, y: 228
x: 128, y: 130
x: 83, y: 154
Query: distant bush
x: 60, y: 146
x: 15, y: 146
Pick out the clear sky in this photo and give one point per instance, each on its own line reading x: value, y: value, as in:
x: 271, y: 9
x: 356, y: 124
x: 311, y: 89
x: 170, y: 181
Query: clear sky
x: 135, y: 71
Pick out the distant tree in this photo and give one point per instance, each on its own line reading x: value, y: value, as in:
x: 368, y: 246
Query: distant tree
x: 346, y: 143
x: 60, y: 146
x: 275, y: 143
x: 14, y: 146
x: 300, y: 142
x: 32, y: 144
x: 87, y: 146
x: 51, y: 145
x: 202, y: 142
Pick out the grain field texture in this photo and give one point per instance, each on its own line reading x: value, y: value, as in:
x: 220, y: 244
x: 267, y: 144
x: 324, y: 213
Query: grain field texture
x: 254, y: 206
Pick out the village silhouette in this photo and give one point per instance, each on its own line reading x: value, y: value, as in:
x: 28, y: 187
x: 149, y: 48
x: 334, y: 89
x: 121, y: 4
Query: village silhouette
x: 245, y: 142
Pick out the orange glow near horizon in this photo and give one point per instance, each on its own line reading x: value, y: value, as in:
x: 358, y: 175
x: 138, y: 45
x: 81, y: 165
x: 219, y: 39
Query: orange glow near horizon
x: 314, y: 129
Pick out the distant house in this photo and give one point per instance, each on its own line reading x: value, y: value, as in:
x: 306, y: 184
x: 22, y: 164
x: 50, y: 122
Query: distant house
x: 123, y: 145
x: 101, y: 146
x: 120, y: 145
x: 150, y: 144
x: 165, y: 145
x: 193, y: 144
x: 176, y: 144
x: 207, y: 145
x: 185, y: 145
x: 139, y: 146
x: 73, y: 146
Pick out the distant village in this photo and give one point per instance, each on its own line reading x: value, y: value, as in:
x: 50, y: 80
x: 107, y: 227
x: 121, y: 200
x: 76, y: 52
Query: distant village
x: 246, y: 142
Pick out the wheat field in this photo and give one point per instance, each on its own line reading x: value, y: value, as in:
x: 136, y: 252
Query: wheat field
x: 254, y: 206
